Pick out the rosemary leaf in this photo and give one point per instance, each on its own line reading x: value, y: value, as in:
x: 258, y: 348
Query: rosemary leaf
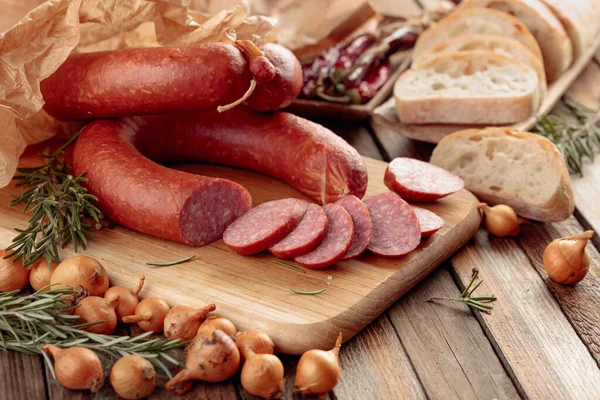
x: 466, y: 296
x: 290, y: 266
x: 169, y: 263
x: 307, y: 292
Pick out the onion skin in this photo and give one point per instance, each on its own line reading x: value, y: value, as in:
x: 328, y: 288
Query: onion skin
x: 133, y: 377
x: 318, y: 371
x: 150, y: 314
x: 77, y: 368
x: 40, y: 274
x: 212, y: 357
x: 215, y: 322
x: 263, y: 375
x: 565, y: 259
x: 13, y: 276
x: 255, y: 341
x: 94, y: 308
x: 182, y: 322
x: 81, y: 271
x: 126, y: 298
x: 501, y: 220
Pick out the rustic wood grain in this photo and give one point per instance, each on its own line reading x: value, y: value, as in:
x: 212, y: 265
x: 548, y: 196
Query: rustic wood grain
x: 530, y: 333
x: 450, y: 353
x: 21, y: 377
x: 581, y: 302
x: 381, y: 362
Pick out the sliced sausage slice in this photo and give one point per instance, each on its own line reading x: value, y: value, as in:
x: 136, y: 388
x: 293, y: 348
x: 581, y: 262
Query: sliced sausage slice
x: 396, y: 229
x: 264, y: 225
x: 363, y: 226
x: 416, y: 180
x: 430, y: 222
x: 306, y: 237
x: 336, y: 242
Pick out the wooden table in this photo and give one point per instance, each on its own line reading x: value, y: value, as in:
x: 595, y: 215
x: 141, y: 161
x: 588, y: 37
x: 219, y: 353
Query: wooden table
x: 542, y: 340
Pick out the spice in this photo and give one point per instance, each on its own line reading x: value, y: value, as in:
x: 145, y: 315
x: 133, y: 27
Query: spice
x: 170, y: 263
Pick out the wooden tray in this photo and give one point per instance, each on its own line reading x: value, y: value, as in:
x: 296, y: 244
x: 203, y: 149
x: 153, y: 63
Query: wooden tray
x: 353, y: 112
x: 253, y: 291
x: 385, y: 118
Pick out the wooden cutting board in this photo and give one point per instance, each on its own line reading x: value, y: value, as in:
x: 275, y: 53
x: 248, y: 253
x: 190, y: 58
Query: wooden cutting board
x: 254, y: 291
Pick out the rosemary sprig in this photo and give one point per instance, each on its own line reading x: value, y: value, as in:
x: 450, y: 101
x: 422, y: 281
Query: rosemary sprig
x: 170, y: 263
x: 58, y: 203
x: 575, y: 131
x: 29, y: 322
x: 466, y: 296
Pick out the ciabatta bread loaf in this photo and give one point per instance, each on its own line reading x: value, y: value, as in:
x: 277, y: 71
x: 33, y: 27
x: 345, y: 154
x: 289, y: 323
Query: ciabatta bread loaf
x: 503, y: 166
x: 472, y: 21
x: 551, y: 36
x: 468, y: 87
x: 581, y: 19
x: 497, y: 44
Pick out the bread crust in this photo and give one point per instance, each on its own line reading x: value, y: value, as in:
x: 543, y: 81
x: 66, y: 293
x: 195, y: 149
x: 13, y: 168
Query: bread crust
x: 556, y: 46
x: 559, y: 206
x: 445, y: 29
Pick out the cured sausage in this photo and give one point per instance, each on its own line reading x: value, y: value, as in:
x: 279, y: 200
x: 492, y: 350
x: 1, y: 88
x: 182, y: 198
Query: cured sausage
x: 416, y: 180
x: 363, y: 226
x: 154, y: 80
x: 264, y: 225
x: 301, y: 153
x: 336, y: 243
x: 308, y: 234
x: 284, y: 87
x: 147, y: 197
x: 429, y: 221
x: 396, y: 229
x: 144, y: 196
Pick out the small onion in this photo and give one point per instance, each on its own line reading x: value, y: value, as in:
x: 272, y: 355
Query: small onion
x: 263, y: 375
x: 81, y: 271
x: 133, y: 377
x: 13, y: 276
x: 501, y: 220
x: 40, y: 275
x: 318, y: 371
x: 217, y: 322
x: 182, y: 322
x: 149, y: 314
x: 77, y: 368
x: 565, y: 259
x: 126, y: 298
x: 211, y: 357
x: 93, y: 309
x: 258, y: 342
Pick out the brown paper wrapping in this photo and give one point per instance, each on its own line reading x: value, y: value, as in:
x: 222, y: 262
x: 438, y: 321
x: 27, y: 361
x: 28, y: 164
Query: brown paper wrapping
x: 39, y: 35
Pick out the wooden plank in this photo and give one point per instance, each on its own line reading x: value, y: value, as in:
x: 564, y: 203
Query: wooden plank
x: 450, y: 353
x: 528, y: 330
x: 580, y: 303
x: 356, y: 135
x: 21, y: 377
x: 375, y: 366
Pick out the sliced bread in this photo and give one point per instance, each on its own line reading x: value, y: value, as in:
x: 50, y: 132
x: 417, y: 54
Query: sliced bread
x: 497, y: 44
x: 551, y: 36
x: 503, y: 166
x: 475, y: 20
x: 581, y: 19
x: 468, y: 87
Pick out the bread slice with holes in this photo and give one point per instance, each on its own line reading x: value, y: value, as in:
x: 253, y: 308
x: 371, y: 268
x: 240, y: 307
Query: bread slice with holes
x: 581, y: 19
x: 474, y: 21
x: 494, y: 43
x: 503, y: 166
x: 467, y: 87
x: 551, y: 36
